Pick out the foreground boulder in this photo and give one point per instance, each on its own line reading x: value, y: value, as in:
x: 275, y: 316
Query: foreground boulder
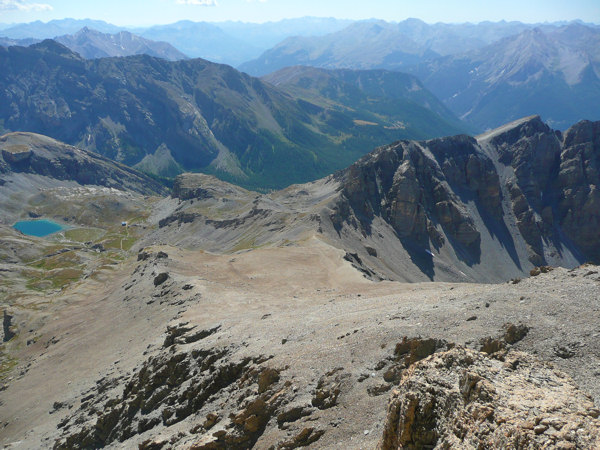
x: 465, y: 399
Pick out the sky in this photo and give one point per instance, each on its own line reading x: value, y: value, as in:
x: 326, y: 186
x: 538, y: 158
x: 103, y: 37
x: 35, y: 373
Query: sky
x: 149, y: 12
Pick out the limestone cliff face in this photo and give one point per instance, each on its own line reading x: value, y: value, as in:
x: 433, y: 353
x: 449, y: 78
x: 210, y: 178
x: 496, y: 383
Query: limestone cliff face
x: 554, y: 187
x: 577, y: 184
x: 520, y: 196
x: 417, y: 188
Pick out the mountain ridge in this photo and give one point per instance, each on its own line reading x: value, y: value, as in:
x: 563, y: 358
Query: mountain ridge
x: 545, y: 69
x: 545, y: 72
x: 419, y: 39
x: 92, y: 44
x: 209, y: 116
x: 459, y: 208
x: 371, y: 95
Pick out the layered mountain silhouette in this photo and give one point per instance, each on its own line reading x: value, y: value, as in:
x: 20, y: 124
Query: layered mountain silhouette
x: 203, y: 40
x: 491, y: 74
x: 47, y: 30
x: 362, y: 45
x: 237, y: 42
x: 224, y: 42
x: 92, y: 44
x: 380, y: 44
x: 192, y: 115
x: 554, y: 73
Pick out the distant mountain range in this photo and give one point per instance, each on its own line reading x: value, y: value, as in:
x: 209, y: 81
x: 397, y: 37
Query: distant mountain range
x: 549, y: 70
x: 374, y: 44
x: 203, y: 40
x: 226, y: 42
x: 362, y: 45
x: 93, y: 44
x: 48, y: 30
x: 235, y: 43
x: 268, y: 34
x: 555, y: 73
x: 167, y: 117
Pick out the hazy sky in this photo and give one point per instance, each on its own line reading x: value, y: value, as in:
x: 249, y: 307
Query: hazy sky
x: 145, y: 12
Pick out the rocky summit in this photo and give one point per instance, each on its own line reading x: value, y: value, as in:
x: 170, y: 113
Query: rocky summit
x: 215, y: 317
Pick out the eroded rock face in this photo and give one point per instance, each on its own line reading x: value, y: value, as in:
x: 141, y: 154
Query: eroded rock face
x: 578, y: 183
x: 229, y: 398
x: 554, y: 188
x: 465, y: 399
x: 531, y: 149
x: 524, y: 185
x: 172, y: 386
x: 416, y: 192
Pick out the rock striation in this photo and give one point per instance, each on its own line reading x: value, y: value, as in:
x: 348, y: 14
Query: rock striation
x: 523, y: 192
x: 465, y: 399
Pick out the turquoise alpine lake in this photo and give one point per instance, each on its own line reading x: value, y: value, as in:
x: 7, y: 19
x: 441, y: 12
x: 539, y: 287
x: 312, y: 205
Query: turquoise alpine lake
x: 39, y: 228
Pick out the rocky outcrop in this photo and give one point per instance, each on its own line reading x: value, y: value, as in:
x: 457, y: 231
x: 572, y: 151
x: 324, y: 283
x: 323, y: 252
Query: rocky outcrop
x: 578, y: 184
x: 172, y: 386
x: 554, y: 187
x: 413, y: 186
x: 531, y: 149
x: 464, y: 399
x: 523, y: 191
x: 199, y: 186
x: 329, y: 388
x: 7, y: 327
x: 226, y: 399
x: 408, y: 352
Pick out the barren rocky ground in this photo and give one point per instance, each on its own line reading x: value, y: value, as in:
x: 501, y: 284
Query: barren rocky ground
x: 271, y: 347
